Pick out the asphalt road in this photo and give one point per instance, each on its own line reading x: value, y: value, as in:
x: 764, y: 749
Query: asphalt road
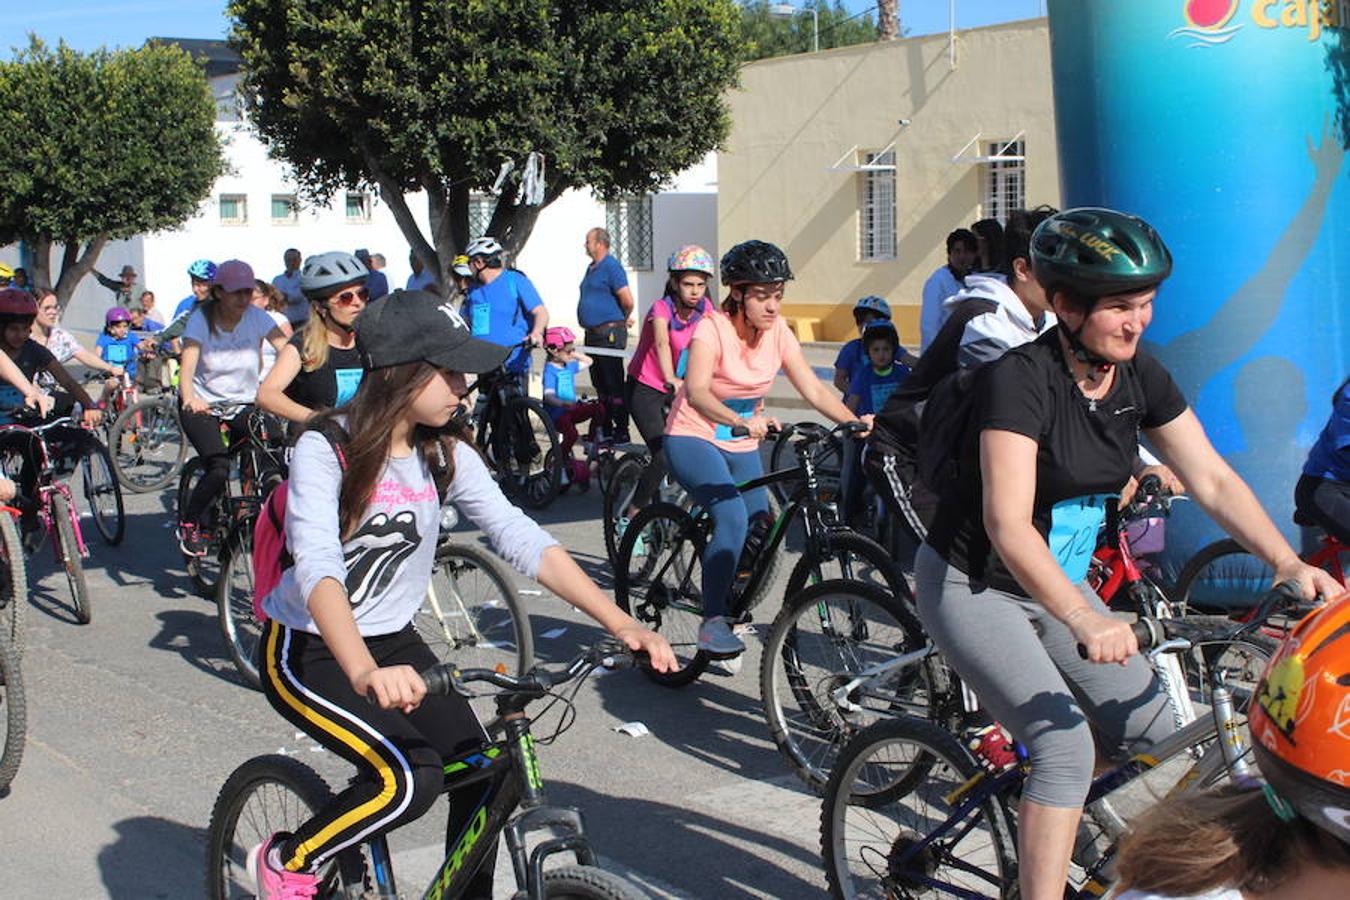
x: 136, y: 720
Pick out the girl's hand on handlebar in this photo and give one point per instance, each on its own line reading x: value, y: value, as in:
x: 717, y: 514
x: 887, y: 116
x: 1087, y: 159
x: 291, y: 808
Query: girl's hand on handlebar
x: 635, y: 637
x: 760, y: 426
x: 391, y: 687
x: 1312, y: 581
x: 40, y: 401
x: 92, y: 417
x: 196, y: 405
x: 1107, y: 639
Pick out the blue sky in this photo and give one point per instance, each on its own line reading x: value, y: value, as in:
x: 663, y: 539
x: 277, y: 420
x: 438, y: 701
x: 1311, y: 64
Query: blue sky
x: 85, y: 24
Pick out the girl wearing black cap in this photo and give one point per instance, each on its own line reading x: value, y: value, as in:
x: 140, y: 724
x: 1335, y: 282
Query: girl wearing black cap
x: 340, y: 657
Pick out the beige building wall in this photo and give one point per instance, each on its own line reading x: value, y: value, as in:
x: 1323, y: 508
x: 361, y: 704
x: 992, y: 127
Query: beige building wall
x: 795, y: 116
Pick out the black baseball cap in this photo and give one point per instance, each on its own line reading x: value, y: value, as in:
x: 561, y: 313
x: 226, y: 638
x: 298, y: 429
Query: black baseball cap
x: 418, y: 326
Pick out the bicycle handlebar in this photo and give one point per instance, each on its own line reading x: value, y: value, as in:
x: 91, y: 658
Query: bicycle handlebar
x: 1152, y: 633
x: 446, y: 678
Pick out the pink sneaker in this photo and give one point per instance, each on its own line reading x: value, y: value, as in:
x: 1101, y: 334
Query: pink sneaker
x: 274, y: 882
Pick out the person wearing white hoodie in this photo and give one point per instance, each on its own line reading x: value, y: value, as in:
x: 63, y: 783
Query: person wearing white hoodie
x: 993, y: 314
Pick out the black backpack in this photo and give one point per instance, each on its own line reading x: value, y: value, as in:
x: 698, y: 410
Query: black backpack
x: 943, y: 424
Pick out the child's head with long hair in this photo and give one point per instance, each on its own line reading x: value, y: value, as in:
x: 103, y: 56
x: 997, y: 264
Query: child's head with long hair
x: 416, y: 349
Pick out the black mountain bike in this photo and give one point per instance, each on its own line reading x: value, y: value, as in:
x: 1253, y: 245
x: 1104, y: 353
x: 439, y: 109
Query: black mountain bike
x: 658, y: 579
x: 268, y: 794
x: 518, y: 438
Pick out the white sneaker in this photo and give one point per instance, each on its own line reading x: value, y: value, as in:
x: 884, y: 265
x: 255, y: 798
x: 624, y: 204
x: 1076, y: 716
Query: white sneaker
x: 716, y: 639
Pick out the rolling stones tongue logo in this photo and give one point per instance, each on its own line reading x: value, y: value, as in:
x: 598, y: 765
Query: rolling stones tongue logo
x: 375, y: 553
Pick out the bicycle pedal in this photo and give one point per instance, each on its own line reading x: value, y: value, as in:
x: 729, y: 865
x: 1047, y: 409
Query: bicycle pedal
x: 743, y: 628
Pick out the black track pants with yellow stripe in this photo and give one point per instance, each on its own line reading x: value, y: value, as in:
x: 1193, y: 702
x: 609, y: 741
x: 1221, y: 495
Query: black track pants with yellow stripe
x: 398, y: 756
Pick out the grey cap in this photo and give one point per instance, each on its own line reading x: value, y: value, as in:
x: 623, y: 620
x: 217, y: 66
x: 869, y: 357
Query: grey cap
x: 418, y: 326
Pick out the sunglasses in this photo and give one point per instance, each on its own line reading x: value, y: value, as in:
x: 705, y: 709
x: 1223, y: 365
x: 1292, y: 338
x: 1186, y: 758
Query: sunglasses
x: 347, y: 298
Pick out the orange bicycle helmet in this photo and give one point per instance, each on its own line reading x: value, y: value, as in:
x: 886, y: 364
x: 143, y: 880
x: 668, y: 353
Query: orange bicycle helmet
x: 1300, y: 721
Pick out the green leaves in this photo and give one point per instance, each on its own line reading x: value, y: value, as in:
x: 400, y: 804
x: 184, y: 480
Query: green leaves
x: 107, y: 144
x: 618, y: 95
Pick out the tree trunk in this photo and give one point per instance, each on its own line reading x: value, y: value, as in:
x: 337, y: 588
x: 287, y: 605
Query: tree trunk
x: 75, y: 264
x: 888, y: 20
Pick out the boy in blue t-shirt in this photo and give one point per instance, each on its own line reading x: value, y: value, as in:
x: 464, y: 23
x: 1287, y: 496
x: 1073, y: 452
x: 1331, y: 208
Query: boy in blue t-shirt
x: 874, y: 383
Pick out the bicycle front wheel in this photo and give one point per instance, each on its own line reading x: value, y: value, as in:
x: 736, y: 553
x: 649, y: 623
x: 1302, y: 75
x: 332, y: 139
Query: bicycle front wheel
x: 15, y: 714
x: 13, y: 585
x: 849, y: 555
x: 588, y: 883
x: 527, y: 455
x: 203, y: 570
x: 265, y: 795
x: 472, y: 615
x: 1222, y: 577
x: 818, y: 645
x: 234, y: 604
x: 618, y: 497
x: 659, y: 581
x: 871, y: 850
x: 68, y: 556
x: 148, y: 445
x: 102, y: 492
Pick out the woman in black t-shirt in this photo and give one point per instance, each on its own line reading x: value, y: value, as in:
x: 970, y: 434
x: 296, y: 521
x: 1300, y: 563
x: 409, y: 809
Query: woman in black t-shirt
x: 1000, y: 579
x: 320, y: 367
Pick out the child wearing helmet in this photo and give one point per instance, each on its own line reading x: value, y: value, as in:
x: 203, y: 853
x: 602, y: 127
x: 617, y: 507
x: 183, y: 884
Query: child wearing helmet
x: 873, y: 384
x: 339, y: 657
x: 117, y: 346
x: 852, y: 358
x: 1288, y: 839
x: 561, y: 369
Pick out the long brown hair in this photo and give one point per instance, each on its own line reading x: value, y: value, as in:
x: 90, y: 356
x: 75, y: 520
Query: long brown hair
x: 1229, y: 838
x: 384, y: 396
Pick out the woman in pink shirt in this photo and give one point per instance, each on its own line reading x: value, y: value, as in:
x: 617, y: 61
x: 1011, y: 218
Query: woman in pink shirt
x: 733, y: 360
x: 658, y: 365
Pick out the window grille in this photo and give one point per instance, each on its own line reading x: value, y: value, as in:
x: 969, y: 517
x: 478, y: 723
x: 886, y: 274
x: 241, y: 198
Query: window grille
x: 1004, y: 182
x: 876, y: 217
x: 233, y: 209
x: 629, y: 223
x: 481, y: 207
x: 358, y: 206
x: 285, y: 211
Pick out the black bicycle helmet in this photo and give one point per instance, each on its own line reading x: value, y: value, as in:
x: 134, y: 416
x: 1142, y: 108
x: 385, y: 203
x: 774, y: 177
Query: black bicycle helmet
x: 1098, y: 252
x: 755, y: 262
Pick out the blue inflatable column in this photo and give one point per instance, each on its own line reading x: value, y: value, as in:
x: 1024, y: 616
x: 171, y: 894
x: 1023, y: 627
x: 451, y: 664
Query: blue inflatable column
x: 1225, y: 123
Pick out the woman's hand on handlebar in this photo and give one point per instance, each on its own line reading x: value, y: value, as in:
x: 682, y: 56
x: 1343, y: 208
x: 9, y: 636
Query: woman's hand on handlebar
x: 1106, y: 638
x: 196, y: 405
x: 40, y: 401
x: 391, y: 687
x: 867, y: 420
x: 760, y: 426
x: 1313, y: 583
x: 657, y: 648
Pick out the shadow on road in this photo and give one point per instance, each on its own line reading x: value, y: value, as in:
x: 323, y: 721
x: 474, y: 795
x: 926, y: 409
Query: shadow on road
x: 196, y: 637
x: 153, y: 857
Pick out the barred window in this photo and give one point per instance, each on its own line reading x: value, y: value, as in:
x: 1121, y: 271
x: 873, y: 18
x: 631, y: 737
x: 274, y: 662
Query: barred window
x: 1004, y: 182
x: 285, y: 210
x: 876, y: 216
x: 481, y: 208
x: 233, y: 209
x: 629, y: 223
x: 358, y: 206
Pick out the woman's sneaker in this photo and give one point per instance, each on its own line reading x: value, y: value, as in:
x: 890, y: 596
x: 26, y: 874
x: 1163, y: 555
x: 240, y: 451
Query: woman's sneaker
x: 272, y: 880
x: 716, y: 639
x: 191, y: 540
x: 639, y: 548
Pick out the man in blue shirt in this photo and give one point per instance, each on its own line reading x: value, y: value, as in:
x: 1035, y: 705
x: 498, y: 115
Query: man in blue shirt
x: 604, y: 311
x: 503, y: 306
x: 376, y: 282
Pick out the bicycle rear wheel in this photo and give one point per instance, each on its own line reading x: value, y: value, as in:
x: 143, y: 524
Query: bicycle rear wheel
x: 102, y: 492
x: 13, y: 714
x: 67, y: 551
x: 659, y: 581
x: 265, y: 795
x: 526, y: 453
x: 1222, y: 577
x: 868, y: 848
x: 234, y: 603
x: 147, y: 444
x: 13, y: 585
x: 203, y: 570
x: 820, y: 641
x: 618, y: 496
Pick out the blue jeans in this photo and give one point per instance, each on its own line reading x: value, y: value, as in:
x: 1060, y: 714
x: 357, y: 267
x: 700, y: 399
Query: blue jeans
x: 710, y: 474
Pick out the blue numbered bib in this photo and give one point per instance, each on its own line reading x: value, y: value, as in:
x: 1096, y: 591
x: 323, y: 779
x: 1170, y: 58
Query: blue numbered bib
x: 1074, y: 525
x: 682, y: 364
x: 116, y: 353
x: 745, y: 408
x: 881, y: 393
x: 481, y: 319
x: 348, y: 380
x: 567, y: 386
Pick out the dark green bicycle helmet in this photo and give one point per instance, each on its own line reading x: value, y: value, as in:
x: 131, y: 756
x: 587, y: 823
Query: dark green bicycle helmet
x: 1098, y: 252
x: 755, y: 262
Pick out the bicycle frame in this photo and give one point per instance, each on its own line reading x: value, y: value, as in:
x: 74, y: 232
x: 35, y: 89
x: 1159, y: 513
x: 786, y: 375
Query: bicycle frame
x: 39, y: 456
x: 1328, y: 556
x: 506, y: 776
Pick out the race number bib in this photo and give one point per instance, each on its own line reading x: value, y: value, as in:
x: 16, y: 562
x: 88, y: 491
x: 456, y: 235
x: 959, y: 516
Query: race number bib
x: 1074, y: 526
x: 116, y: 354
x: 567, y: 386
x: 482, y: 319
x: 348, y: 380
x: 745, y: 408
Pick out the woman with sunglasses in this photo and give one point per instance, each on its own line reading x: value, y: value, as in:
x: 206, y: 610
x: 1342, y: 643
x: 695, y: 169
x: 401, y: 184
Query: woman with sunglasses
x: 218, y: 383
x: 320, y: 367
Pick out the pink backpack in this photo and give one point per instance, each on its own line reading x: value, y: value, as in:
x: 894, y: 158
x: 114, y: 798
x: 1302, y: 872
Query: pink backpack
x: 270, y: 556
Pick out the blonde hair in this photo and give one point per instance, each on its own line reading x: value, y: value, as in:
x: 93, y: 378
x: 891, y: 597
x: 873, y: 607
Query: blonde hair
x: 314, y: 340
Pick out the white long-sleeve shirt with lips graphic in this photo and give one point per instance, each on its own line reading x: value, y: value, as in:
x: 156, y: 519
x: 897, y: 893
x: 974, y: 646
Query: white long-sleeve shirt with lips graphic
x: 386, y: 564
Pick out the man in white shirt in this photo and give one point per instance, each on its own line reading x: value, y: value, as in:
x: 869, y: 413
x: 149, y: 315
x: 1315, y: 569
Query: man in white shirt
x: 288, y: 282
x: 962, y: 251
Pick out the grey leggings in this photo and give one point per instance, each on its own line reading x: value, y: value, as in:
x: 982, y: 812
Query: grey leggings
x: 1023, y: 664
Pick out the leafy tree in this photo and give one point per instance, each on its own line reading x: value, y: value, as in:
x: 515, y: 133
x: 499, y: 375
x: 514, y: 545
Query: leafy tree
x: 100, y: 146
x: 435, y: 95
x: 768, y: 34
